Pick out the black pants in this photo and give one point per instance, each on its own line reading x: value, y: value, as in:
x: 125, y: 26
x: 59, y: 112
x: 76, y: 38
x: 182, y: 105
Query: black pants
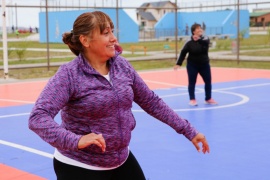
x: 204, y: 70
x: 130, y: 170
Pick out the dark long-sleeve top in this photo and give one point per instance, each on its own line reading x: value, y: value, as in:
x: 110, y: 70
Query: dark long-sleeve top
x: 89, y: 103
x: 197, y: 51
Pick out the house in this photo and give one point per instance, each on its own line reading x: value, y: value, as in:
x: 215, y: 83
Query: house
x: 260, y: 18
x: 148, y: 14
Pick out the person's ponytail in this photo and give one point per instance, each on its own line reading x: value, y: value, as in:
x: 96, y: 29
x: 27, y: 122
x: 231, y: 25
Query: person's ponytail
x: 68, y: 39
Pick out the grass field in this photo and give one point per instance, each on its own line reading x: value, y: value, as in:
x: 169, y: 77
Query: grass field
x: 25, y: 52
x: 32, y: 73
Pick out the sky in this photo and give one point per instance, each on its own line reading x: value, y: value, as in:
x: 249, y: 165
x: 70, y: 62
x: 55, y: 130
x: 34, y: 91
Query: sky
x: 26, y: 17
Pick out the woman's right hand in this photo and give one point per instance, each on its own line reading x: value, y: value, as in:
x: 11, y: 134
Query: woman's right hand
x: 200, y: 138
x: 176, y: 67
x: 196, y: 38
x: 92, y: 138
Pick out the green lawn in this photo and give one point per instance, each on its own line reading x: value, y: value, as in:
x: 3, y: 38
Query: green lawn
x: 19, y: 53
x: 30, y: 73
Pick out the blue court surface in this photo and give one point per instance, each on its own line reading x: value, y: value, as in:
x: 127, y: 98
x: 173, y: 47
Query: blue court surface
x: 237, y: 130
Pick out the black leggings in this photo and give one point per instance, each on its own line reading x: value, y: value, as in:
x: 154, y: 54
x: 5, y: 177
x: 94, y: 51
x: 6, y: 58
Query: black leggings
x: 130, y: 170
x: 204, y: 70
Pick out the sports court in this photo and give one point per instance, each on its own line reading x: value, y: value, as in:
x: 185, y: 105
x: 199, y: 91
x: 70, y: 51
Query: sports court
x: 237, y: 129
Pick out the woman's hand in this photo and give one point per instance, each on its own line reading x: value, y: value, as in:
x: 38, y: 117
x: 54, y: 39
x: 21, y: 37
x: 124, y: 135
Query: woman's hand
x: 92, y: 138
x: 176, y: 67
x: 200, y: 138
x: 195, y: 37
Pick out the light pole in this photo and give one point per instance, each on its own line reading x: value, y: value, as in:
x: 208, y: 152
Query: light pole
x: 176, y: 30
x: 4, y: 37
x: 117, y: 23
x: 10, y: 15
x: 47, y: 37
x: 238, y: 31
x: 16, y: 16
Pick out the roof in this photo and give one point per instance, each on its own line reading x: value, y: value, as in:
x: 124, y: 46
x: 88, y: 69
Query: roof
x: 158, y: 4
x: 258, y: 14
x: 147, y: 16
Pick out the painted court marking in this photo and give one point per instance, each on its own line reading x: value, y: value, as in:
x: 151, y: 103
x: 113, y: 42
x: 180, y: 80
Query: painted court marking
x: 244, y: 99
x: 18, y: 101
x: 25, y: 148
x: 14, y: 115
x: 14, y: 94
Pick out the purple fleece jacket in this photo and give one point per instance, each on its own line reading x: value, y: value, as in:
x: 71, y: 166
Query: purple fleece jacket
x: 89, y: 103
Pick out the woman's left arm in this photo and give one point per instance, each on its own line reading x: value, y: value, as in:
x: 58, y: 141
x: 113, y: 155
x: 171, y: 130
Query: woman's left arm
x: 156, y: 107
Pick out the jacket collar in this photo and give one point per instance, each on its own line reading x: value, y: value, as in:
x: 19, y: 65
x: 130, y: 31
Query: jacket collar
x: 86, y: 67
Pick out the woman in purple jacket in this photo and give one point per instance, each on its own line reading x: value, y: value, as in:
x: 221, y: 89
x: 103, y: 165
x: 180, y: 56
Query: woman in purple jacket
x: 94, y: 93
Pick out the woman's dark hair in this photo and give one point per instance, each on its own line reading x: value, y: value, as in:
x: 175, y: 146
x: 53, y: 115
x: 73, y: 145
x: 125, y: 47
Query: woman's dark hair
x: 85, y: 24
x: 193, y: 27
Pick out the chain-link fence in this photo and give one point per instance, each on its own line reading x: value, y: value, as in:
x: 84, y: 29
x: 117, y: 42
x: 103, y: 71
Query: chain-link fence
x: 18, y: 18
x: 16, y: 12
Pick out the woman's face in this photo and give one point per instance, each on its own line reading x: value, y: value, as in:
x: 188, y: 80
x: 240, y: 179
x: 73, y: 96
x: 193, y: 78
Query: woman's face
x: 102, y: 44
x: 198, y: 31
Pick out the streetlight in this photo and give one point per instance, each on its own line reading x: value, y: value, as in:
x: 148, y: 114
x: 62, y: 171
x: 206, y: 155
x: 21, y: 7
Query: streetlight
x: 4, y: 36
x: 238, y: 31
x: 176, y: 30
x: 16, y: 16
x: 117, y: 23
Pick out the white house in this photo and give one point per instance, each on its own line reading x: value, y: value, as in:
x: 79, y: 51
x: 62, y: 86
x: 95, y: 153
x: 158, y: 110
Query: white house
x: 148, y: 14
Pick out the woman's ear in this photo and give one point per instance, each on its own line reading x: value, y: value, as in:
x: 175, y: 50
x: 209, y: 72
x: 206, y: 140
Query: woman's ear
x: 84, y: 40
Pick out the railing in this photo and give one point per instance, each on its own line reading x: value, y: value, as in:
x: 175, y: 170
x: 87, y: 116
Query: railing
x: 169, y: 34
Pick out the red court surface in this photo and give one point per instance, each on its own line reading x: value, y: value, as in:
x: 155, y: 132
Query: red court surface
x: 20, y: 93
x: 27, y: 92
x: 9, y: 173
x: 170, y: 78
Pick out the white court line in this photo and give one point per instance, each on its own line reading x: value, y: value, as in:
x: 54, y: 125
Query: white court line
x: 24, y: 82
x: 184, y: 69
x: 155, y: 82
x: 216, y: 90
x: 14, y: 115
x: 162, y: 83
x: 236, y: 87
x: 35, y: 151
x: 245, y: 86
x: 50, y: 155
x: 244, y: 100
x: 18, y: 101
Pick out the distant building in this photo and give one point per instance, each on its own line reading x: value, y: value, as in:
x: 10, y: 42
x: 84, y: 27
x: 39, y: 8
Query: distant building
x: 261, y: 10
x: 260, y: 17
x: 62, y: 21
x: 218, y: 23
x: 148, y: 14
